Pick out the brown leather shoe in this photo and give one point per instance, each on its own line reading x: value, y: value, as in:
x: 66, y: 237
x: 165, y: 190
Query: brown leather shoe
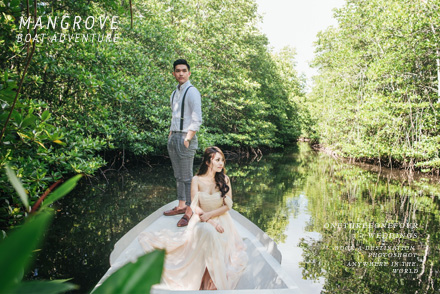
x: 183, y: 221
x: 174, y: 211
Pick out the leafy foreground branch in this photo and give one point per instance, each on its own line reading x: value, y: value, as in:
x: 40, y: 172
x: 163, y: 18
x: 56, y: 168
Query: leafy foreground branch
x: 16, y: 253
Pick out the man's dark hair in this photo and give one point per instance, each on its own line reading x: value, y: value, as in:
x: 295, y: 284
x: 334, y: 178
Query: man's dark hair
x: 181, y: 61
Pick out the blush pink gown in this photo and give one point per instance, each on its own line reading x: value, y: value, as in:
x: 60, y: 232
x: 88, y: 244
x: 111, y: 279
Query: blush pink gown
x: 199, y: 247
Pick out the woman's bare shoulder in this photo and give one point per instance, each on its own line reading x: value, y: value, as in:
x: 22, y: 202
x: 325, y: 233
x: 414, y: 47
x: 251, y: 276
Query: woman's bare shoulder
x: 195, y: 180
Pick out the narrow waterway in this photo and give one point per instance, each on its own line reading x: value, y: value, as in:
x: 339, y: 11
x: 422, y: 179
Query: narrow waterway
x: 341, y: 228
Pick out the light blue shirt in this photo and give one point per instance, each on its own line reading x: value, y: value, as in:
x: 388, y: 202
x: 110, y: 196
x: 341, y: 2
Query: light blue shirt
x: 192, y: 117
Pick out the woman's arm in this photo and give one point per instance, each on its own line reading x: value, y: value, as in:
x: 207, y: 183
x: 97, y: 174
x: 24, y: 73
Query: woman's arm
x: 216, y: 225
x: 204, y: 217
x: 194, y: 191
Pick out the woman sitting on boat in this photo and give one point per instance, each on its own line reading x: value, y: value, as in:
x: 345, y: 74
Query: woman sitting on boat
x: 209, y: 254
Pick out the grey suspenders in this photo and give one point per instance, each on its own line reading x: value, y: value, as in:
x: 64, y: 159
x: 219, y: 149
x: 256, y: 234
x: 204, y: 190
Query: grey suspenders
x: 182, y: 108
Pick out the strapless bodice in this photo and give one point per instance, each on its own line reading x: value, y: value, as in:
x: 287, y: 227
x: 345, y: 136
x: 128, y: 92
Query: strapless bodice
x: 209, y: 202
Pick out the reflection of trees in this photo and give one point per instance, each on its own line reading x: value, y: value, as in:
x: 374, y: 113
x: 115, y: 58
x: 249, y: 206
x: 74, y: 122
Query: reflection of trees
x: 345, y: 194
x: 261, y: 191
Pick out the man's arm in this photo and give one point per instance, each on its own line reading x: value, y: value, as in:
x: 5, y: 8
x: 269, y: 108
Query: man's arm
x: 195, y: 102
x: 171, y: 107
x: 190, y: 135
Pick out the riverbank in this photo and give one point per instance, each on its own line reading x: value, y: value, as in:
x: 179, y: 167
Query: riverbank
x: 392, y: 167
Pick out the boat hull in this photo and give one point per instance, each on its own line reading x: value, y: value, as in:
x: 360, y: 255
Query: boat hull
x: 263, y: 273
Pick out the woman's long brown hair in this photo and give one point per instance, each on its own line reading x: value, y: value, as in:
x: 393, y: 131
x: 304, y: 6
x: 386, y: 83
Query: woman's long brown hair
x: 220, y: 177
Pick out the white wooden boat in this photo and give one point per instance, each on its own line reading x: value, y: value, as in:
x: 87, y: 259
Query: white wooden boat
x: 263, y: 271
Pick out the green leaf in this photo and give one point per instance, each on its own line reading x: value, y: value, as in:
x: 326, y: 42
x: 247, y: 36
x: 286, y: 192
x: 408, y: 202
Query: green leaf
x: 17, y: 186
x: 62, y: 190
x: 16, y: 249
x: 135, y: 277
x: 29, y: 119
x: 14, y: 3
x: 17, y: 116
x: 45, y: 115
x: 45, y: 287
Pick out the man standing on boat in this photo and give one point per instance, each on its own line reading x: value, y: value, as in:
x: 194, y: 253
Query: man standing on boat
x: 186, y: 108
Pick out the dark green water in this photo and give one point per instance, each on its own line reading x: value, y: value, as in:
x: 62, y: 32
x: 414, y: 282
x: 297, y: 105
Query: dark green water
x: 340, y: 227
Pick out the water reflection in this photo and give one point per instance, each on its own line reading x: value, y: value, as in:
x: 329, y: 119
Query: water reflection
x: 378, y: 235
x: 300, y: 198
x: 93, y: 218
